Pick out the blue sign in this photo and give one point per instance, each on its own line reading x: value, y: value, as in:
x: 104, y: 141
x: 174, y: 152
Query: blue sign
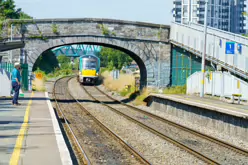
x: 220, y: 43
x: 230, y: 47
x: 239, y: 48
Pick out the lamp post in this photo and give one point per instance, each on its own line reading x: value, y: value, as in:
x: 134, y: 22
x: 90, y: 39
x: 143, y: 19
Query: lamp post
x: 204, y: 49
x: 159, y: 62
x: 11, y: 39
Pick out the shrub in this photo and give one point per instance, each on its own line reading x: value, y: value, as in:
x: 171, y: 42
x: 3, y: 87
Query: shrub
x: 175, y: 90
x: 119, y: 84
x: 55, y: 29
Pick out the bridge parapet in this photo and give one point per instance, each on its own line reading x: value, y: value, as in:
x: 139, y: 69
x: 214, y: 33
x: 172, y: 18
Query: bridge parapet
x: 88, y: 26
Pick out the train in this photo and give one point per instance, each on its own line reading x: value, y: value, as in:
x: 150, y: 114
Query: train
x: 89, y: 69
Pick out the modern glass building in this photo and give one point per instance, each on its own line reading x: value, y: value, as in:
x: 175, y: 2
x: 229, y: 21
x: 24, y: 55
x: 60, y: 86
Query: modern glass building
x: 222, y: 14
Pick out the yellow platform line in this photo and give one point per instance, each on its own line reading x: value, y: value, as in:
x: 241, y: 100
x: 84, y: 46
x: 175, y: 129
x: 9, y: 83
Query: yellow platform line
x: 18, y: 146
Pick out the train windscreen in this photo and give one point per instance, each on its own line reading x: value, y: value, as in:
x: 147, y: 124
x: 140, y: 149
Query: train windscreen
x: 89, y: 65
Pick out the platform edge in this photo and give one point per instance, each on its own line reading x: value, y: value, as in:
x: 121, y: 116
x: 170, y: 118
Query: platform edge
x: 63, y: 150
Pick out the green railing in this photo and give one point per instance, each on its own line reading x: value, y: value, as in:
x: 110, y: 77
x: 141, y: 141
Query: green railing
x: 184, y: 64
x: 7, y: 66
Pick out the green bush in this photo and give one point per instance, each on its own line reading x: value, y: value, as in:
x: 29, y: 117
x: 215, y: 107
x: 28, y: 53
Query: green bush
x: 55, y: 29
x: 126, y: 92
x: 175, y: 90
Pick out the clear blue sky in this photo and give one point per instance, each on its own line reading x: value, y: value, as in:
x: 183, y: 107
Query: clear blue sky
x: 154, y: 11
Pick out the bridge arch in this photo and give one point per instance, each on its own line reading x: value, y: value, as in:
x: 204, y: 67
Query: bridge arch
x: 133, y: 50
x: 148, y: 44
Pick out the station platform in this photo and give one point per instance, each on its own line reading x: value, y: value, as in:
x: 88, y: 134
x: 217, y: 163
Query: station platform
x: 209, y: 102
x: 30, y: 133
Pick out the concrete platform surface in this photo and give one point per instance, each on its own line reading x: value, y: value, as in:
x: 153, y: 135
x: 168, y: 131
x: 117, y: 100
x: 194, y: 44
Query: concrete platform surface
x: 211, y: 103
x: 30, y: 133
x: 11, y: 119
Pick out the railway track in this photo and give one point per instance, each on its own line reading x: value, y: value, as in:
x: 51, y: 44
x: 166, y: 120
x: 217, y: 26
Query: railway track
x: 95, y: 143
x: 206, y: 148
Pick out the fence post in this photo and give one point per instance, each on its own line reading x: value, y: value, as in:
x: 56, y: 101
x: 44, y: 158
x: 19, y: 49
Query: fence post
x: 222, y: 86
x: 212, y: 83
x: 25, y: 76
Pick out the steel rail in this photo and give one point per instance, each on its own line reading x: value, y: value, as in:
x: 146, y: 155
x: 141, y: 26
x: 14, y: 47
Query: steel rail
x: 158, y: 133
x: 85, y: 157
x: 194, y: 132
x: 110, y: 132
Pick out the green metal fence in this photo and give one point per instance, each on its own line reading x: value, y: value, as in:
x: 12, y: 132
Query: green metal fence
x: 184, y: 64
x: 9, y: 67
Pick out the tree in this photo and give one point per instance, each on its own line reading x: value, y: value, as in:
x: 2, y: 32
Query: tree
x: 47, y: 62
x: 25, y: 16
x: 114, y: 59
x: 8, y: 11
x: 64, y: 61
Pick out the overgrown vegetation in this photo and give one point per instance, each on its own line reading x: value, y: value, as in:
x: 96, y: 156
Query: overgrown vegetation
x: 131, y: 93
x: 41, y: 37
x: 159, y: 33
x: 55, y: 29
x: 119, y: 86
x: 59, y: 73
x: 175, y: 90
x: 105, y: 30
x: 9, y: 11
x: 54, y: 67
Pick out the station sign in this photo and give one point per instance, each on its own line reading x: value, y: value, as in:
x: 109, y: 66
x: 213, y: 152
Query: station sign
x: 230, y: 47
x: 239, y: 48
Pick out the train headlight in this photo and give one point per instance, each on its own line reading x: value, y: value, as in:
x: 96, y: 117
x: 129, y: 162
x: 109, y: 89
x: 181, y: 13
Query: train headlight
x: 97, y: 74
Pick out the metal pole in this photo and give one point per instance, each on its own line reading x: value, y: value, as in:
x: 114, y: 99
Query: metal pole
x: 159, y: 67
x: 11, y: 39
x: 159, y: 63
x: 204, y: 49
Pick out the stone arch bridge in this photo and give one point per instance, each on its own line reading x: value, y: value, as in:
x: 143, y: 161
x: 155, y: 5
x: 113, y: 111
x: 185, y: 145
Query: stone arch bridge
x: 148, y: 44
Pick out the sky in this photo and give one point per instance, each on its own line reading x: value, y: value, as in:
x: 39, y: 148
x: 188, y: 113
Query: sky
x: 153, y: 11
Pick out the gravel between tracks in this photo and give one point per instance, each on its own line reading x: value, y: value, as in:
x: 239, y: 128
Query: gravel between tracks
x: 189, y: 124
x: 154, y: 148
x: 212, y: 150
x: 98, y: 145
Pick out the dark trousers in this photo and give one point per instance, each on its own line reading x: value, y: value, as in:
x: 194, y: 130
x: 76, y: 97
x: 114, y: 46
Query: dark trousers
x: 16, y: 88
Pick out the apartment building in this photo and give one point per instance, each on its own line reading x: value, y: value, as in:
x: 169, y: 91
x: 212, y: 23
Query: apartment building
x: 222, y: 14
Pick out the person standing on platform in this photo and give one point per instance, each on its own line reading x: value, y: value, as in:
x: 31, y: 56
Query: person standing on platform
x: 16, y: 83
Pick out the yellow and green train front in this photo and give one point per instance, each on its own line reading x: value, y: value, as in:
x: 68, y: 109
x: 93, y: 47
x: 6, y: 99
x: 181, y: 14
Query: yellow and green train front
x: 88, y: 76
x: 89, y: 71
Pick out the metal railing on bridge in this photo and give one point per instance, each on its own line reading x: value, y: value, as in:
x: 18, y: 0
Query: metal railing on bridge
x: 223, y: 48
x: 76, y: 50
